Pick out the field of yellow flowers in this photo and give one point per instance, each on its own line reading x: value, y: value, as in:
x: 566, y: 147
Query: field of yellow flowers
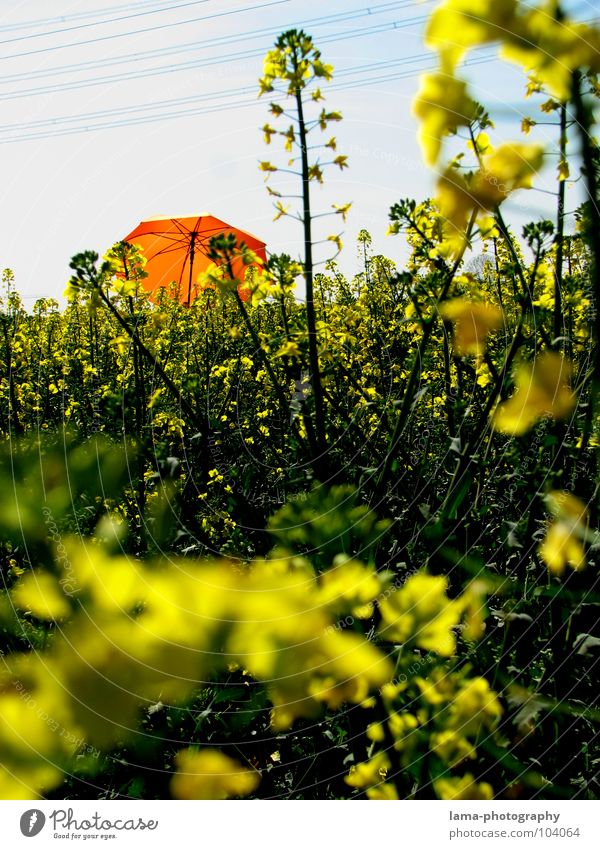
x: 342, y: 546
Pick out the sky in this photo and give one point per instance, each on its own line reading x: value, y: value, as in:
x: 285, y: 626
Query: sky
x: 114, y: 112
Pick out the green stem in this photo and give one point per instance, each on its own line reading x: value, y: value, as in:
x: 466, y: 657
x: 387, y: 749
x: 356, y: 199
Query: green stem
x: 515, y: 258
x: 583, y: 114
x: 449, y: 404
x: 466, y: 458
x: 281, y: 399
x: 408, y: 400
x: 560, y: 233
x: 313, y: 353
x: 187, y: 408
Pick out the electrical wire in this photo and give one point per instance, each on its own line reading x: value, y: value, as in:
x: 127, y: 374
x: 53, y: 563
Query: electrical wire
x: 220, y: 100
x: 142, y: 31
x: 108, y: 21
x: 205, y: 110
x: 339, y: 17
x: 200, y: 63
x: 194, y: 98
x: 74, y: 16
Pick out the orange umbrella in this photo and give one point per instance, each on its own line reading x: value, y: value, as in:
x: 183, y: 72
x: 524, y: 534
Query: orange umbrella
x: 175, y: 250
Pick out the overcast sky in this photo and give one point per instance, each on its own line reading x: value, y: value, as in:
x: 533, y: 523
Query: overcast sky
x: 113, y: 112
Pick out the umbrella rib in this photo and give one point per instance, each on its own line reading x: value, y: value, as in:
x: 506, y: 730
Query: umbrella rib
x: 170, y: 249
x: 170, y: 236
x: 206, y: 235
x: 183, y: 230
x: 183, y: 265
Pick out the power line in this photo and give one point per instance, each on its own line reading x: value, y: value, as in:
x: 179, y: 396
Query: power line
x: 108, y: 21
x: 338, y: 17
x: 480, y: 60
x: 220, y: 107
x: 195, y: 98
x: 74, y: 16
x: 127, y: 110
x: 160, y: 27
x: 220, y: 95
x: 201, y: 63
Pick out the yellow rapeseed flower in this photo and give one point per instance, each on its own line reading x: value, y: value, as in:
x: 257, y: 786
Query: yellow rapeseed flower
x: 289, y: 349
x: 441, y: 105
x: 350, y: 585
x: 370, y: 772
x: 542, y: 390
x: 474, y: 707
x: 350, y: 667
x: 210, y: 774
x: 40, y: 593
x: 456, y: 26
x: 473, y: 601
x: 463, y: 788
x: 508, y: 168
x: 452, y: 747
x: 402, y: 727
x: 563, y: 544
x: 552, y: 49
x: 30, y: 782
x: 473, y: 321
x: 420, y: 613
x: 383, y: 792
x: 376, y: 732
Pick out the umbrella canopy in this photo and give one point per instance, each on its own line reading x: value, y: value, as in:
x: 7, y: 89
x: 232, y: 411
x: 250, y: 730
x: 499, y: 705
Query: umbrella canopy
x: 176, y: 248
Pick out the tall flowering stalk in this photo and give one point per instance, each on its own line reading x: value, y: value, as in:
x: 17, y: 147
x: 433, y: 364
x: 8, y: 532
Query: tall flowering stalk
x: 293, y: 69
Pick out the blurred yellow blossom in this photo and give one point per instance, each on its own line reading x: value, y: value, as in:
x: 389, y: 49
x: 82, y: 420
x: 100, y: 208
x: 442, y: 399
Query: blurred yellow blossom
x: 455, y: 26
x: 452, y: 747
x: 562, y: 545
x: 473, y: 321
x: 402, y: 727
x: 350, y: 585
x: 369, y: 773
x: 506, y: 169
x: 474, y: 707
x: 473, y: 602
x: 376, y: 732
x: 41, y: 594
x: 542, y: 390
x: 421, y: 613
x: 552, y: 49
x: 463, y: 788
x: 289, y: 349
x: 210, y: 774
x: 383, y: 792
x: 28, y: 782
x: 547, y: 47
x: 509, y: 167
x: 441, y: 105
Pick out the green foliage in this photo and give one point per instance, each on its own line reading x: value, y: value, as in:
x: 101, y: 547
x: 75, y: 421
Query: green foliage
x: 324, y: 523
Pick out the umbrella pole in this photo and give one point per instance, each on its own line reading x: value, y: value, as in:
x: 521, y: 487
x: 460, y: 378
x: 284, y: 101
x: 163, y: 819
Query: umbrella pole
x: 192, y: 253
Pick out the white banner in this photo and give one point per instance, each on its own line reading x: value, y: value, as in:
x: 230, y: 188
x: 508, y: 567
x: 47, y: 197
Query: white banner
x: 301, y: 825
